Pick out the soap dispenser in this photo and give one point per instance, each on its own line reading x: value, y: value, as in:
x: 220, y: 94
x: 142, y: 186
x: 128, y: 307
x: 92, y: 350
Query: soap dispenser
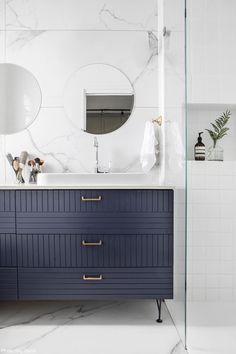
x: 199, y: 149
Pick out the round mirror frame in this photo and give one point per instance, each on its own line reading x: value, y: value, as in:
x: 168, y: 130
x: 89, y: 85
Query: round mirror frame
x: 21, y: 102
x: 75, y: 108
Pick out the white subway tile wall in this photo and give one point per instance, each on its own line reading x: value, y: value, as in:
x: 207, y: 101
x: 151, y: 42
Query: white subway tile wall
x: 211, y: 231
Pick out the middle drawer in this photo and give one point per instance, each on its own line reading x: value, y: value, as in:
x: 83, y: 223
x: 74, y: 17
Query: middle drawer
x: 150, y: 250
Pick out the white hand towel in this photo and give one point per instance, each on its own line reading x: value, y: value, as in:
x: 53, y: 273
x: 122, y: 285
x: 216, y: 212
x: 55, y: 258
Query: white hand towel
x: 149, y: 151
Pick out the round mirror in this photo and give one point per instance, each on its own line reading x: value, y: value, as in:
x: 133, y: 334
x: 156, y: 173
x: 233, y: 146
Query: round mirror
x: 20, y: 98
x: 98, y: 98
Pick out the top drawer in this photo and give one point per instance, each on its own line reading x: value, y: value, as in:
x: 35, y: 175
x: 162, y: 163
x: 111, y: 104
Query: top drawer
x: 94, y: 211
x: 71, y: 201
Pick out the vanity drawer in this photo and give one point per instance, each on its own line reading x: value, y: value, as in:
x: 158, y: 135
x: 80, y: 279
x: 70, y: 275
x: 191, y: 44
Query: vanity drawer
x: 93, y: 212
x: 87, y: 283
x: 93, y: 201
x: 153, y: 250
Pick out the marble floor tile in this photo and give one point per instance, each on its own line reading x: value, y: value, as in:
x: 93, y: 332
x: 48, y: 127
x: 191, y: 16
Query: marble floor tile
x: 86, y: 327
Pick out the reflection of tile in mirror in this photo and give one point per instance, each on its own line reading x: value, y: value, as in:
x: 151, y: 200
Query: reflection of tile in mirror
x: 107, y: 113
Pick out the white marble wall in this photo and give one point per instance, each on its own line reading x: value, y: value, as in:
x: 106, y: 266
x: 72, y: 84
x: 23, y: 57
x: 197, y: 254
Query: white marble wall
x: 53, y: 39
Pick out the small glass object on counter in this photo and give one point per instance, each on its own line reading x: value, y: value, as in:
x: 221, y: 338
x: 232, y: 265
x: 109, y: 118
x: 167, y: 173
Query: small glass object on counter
x: 215, y: 153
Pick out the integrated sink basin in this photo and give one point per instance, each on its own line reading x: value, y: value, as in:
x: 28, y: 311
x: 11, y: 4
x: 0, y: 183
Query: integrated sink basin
x: 74, y: 179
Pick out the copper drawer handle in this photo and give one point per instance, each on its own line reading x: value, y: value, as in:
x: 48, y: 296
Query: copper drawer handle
x: 91, y: 199
x: 85, y: 243
x: 86, y: 277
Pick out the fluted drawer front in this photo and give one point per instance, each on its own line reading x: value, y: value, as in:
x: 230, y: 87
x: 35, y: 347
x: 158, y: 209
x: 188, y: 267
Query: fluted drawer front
x: 95, y: 250
x: 8, y: 283
x: 71, y: 201
x: 105, y: 223
x: 102, y: 211
x: 8, y: 250
x: 54, y: 283
x: 7, y: 212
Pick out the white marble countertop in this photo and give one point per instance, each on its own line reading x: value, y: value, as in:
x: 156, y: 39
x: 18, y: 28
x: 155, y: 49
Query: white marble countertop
x: 82, y: 186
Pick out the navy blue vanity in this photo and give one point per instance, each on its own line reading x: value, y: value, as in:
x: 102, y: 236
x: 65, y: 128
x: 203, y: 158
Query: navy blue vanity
x: 86, y: 244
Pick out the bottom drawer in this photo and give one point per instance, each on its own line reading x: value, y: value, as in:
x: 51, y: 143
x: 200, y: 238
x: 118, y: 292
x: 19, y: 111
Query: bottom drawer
x: 8, y: 284
x: 88, y: 283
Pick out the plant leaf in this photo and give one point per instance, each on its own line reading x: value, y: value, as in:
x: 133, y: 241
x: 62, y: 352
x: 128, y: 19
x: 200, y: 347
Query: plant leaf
x: 215, y: 127
x: 219, y: 126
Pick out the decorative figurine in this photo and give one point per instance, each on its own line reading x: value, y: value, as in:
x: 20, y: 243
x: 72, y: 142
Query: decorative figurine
x: 35, y: 168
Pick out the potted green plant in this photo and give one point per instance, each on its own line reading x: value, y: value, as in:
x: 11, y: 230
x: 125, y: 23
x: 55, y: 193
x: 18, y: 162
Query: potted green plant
x: 216, y: 152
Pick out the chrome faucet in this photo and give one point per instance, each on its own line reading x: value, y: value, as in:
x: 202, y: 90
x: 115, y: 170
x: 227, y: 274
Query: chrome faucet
x: 95, y: 144
x: 98, y: 168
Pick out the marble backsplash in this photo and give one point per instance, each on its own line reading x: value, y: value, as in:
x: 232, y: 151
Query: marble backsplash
x: 53, y: 39
x: 54, y: 46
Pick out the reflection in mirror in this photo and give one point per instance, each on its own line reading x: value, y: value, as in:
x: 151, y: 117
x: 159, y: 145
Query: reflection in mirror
x: 20, y: 98
x: 98, y: 98
x: 106, y: 113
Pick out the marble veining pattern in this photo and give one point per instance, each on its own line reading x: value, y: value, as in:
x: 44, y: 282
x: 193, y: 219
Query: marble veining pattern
x: 134, y: 53
x: 105, y: 11
x: 77, y: 15
x: 24, y: 38
x: 86, y: 327
x: 153, y: 49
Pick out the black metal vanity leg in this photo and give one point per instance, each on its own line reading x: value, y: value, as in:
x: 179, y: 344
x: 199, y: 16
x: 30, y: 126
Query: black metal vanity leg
x: 159, y: 301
